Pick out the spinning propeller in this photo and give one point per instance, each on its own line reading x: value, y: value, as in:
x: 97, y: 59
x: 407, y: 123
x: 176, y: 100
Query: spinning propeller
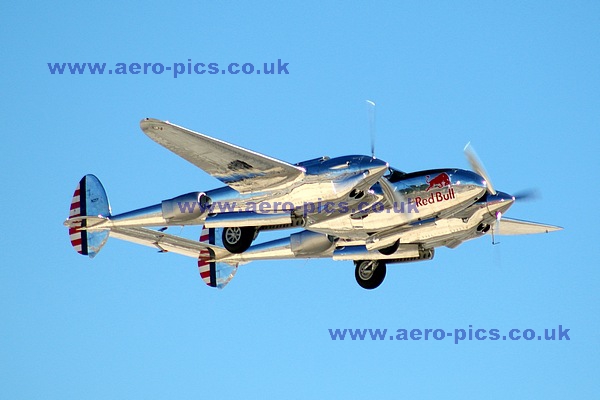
x: 494, y: 195
x: 478, y: 167
x: 371, y: 112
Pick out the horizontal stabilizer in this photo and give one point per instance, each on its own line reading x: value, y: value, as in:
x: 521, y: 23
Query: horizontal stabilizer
x: 213, y: 273
x: 509, y: 226
x: 165, y: 242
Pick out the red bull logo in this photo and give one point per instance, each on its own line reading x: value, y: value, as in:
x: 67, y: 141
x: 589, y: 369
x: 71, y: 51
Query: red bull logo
x: 440, y: 181
x: 435, y: 197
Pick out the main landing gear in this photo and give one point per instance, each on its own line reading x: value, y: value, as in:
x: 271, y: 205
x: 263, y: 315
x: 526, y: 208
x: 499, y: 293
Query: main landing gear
x: 238, y: 239
x: 369, y: 273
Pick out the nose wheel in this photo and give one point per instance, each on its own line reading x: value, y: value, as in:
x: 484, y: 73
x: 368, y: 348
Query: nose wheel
x: 369, y: 273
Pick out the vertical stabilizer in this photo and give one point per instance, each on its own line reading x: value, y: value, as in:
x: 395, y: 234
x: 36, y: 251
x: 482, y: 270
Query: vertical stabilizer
x: 89, y: 200
x: 214, y: 274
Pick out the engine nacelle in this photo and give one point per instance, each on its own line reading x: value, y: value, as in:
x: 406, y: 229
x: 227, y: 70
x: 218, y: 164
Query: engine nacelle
x: 404, y: 253
x: 185, y: 207
x: 178, y: 210
x: 308, y: 243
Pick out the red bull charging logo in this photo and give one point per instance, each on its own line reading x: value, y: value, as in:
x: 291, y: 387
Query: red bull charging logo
x: 440, y: 181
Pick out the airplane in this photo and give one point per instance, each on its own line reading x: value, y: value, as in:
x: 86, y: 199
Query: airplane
x: 355, y: 208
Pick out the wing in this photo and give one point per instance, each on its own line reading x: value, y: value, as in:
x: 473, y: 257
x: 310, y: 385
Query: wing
x: 166, y: 242
x: 509, y: 226
x: 243, y: 170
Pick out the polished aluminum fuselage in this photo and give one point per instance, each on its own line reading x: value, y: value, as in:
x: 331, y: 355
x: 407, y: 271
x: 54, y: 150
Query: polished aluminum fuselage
x: 413, y: 201
x: 350, y: 198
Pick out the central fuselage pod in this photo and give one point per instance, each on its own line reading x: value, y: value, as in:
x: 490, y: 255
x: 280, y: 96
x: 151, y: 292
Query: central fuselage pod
x: 417, y: 196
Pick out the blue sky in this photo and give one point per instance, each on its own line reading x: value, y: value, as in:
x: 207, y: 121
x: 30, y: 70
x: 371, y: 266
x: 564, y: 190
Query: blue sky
x: 519, y: 80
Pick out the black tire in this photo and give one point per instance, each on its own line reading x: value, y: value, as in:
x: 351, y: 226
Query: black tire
x: 372, y: 280
x: 388, y: 251
x: 237, y: 240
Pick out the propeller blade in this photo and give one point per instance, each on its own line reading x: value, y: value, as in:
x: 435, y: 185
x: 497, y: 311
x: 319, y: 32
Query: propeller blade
x: 478, y: 167
x: 371, y: 111
x: 526, y: 195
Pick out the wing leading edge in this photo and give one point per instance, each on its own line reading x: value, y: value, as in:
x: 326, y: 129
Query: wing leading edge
x: 243, y: 170
x: 509, y: 226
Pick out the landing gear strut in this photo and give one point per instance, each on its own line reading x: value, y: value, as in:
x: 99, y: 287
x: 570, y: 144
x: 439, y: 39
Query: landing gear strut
x: 369, y: 273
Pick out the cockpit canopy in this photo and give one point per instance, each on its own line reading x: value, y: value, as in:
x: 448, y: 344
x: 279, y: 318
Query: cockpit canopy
x: 313, y: 161
x: 394, y: 175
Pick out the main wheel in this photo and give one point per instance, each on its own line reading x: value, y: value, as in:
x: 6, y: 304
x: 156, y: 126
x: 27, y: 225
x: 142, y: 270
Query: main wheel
x: 369, y: 273
x: 238, y: 240
x: 388, y: 251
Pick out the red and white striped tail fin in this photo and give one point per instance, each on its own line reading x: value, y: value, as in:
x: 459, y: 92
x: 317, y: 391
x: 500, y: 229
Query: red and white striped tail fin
x: 89, y: 200
x: 205, y: 259
x: 213, y: 273
x: 77, y: 236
